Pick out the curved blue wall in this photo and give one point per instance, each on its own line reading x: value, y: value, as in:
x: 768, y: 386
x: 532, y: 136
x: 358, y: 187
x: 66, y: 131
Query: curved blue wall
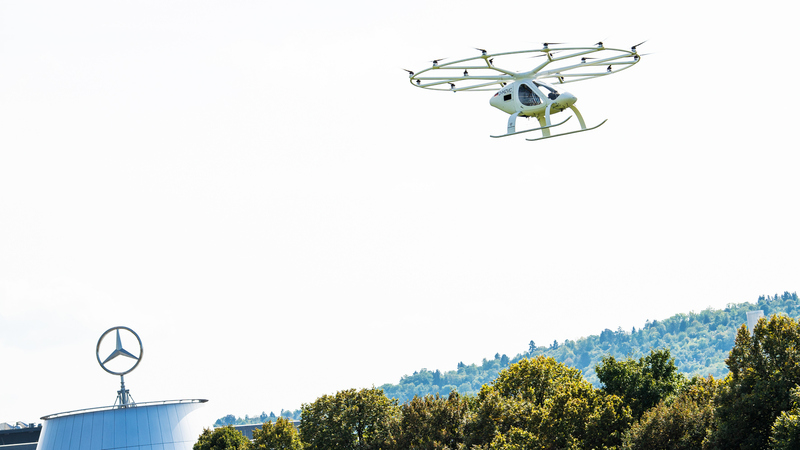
x: 170, y: 426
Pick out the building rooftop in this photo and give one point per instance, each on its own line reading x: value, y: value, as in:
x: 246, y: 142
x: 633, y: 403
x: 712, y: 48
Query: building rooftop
x: 21, y: 436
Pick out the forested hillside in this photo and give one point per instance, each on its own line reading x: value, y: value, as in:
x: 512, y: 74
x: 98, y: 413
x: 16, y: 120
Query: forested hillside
x: 699, y: 342
x: 539, y: 403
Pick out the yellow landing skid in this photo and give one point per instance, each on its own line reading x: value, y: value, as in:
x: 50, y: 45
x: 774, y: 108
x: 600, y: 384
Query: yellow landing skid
x: 569, y: 132
x: 534, y: 129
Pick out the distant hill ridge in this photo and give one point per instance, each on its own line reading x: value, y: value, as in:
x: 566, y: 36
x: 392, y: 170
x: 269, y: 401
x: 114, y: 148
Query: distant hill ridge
x: 699, y: 342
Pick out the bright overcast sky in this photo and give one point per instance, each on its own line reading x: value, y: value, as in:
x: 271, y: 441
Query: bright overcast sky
x: 259, y: 192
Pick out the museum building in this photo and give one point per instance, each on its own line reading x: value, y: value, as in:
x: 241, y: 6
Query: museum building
x: 163, y: 425
x: 144, y: 426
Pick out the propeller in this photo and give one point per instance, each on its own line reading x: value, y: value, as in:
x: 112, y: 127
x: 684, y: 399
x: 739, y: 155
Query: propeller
x: 608, y: 69
x: 483, y: 52
x: 418, y: 82
x: 547, y: 44
x: 545, y: 54
x: 410, y: 73
x: 466, y: 74
x: 600, y: 42
x: 436, y: 61
x: 583, y: 60
x: 452, y: 86
x: 491, y: 61
x: 633, y: 49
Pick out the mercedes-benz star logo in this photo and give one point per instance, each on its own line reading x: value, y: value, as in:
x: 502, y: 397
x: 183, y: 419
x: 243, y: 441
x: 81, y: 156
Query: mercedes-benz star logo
x: 119, y: 351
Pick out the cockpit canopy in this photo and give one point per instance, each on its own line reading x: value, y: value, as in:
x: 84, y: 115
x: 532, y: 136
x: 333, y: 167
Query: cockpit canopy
x: 524, y: 93
x: 546, y: 89
x: 528, y: 97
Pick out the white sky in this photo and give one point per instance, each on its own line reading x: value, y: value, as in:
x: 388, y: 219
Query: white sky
x: 258, y: 191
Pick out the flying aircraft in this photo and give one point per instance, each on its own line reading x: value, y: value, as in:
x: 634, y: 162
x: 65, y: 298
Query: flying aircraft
x: 528, y: 92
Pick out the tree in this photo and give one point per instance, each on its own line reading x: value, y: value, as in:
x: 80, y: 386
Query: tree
x: 281, y: 435
x: 504, y: 360
x: 230, y: 419
x: 539, y: 403
x: 350, y: 419
x: 434, y: 422
x: 683, y: 424
x: 786, y: 429
x: 225, y: 438
x: 643, y: 383
x: 699, y: 351
x: 763, y: 370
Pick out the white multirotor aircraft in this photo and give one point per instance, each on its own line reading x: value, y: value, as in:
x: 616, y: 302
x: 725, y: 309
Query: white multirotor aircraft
x: 526, y: 93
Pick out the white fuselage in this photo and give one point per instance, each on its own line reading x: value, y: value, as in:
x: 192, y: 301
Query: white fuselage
x: 531, y: 98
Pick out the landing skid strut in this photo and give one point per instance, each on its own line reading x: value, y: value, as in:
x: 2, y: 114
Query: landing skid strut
x: 568, y: 132
x: 545, y: 125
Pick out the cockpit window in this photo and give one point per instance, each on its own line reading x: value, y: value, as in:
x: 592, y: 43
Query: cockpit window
x: 552, y: 94
x: 527, y: 97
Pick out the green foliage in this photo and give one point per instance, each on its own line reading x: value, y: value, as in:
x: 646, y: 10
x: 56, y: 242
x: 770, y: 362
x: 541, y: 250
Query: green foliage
x: 682, y: 424
x: 433, y: 422
x: 351, y: 419
x: 281, y: 435
x: 466, y: 380
x: 539, y: 403
x: 225, y: 438
x: 643, y: 383
x: 699, y: 342
x: 541, y: 400
x: 230, y: 419
x: 763, y: 370
x: 786, y: 429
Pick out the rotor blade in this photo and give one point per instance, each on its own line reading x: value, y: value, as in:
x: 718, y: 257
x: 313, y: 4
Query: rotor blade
x: 544, y: 54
